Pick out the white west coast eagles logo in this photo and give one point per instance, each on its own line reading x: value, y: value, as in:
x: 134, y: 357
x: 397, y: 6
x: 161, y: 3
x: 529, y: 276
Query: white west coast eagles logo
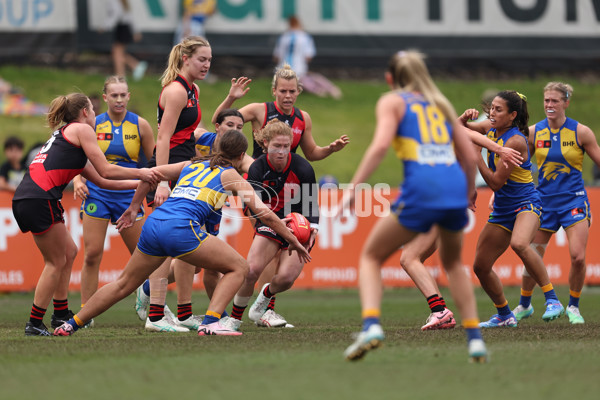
x: 555, y: 138
x: 117, y: 131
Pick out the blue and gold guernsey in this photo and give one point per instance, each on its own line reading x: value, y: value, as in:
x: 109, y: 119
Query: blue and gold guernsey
x: 559, y: 158
x: 205, y: 143
x: 175, y: 228
x: 519, y: 189
x: 120, y: 144
x: 198, y: 194
x: 433, y: 179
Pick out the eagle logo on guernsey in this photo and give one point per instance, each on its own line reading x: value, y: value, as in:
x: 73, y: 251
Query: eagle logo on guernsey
x: 551, y: 170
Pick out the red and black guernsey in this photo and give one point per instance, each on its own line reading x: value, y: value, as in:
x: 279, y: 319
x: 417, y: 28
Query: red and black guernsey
x: 295, y: 121
x: 292, y: 190
x: 54, y: 166
x: 182, y: 143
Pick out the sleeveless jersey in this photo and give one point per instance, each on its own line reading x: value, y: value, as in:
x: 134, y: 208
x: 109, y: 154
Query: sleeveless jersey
x: 559, y: 158
x: 120, y: 143
x: 199, y: 194
x: 294, y: 121
x: 433, y: 179
x: 296, y: 181
x: 54, y: 166
x: 205, y: 144
x: 181, y: 145
x: 519, y: 188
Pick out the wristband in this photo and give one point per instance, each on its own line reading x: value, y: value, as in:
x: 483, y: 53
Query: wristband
x: 164, y: 184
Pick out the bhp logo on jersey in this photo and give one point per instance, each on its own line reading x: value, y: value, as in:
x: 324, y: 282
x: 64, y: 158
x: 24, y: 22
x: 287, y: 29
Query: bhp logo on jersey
x: 543, y: 144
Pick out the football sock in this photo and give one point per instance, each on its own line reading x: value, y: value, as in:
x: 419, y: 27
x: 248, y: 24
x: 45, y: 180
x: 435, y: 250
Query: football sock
x: 472, y: 329
x: 271, y: 305
x: 75, y: 322
x: 549, y: 292
x: 436, y: 303
x: 224, y: 314
x: 211, y: 317
x: 239, y: 306
x: 37, y: 315
x: 503, y: 309
x: 238, y: 311
x: 146, y: 287
x: 574, y: 298
x: 184, y: 311
x: 525, y: 300
x: 156, y: 312
x: 61, y: 308
x: 267, y: 292
x: 370, y: 317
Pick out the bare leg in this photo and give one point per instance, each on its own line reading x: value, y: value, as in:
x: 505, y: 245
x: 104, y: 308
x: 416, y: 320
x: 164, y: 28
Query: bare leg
x: 94, y: 233
x: 59, y: 251
x: 233, y: 267
x: 493, y: 241
x: 135, y: 272
x: 460, y: 282
x: 118, y: 56
x: 414, y: 254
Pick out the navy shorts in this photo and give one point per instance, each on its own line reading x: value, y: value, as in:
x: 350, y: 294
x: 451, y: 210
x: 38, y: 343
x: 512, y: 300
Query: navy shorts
x: 506, y: 219
x: 421, y: 220
x: 554, y: 219
x: 110, y: 209
x: 170, y: 238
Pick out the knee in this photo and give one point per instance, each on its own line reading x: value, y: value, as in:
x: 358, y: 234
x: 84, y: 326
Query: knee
x: 519, y: 247
x: 405, y: 259
x: 92, y: 257
x: 243, y: 267
x: 578, y: 260
x: 479, y: 269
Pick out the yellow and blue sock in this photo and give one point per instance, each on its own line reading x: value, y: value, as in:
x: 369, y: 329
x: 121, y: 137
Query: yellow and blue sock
x: 370, y: 317
x: 503, y: 309
x: 211, y: 317
x: 525, y: 300
x: 146, y: 287
x: 549, y: 292
x: 472, y: 329
x: 75, y: 322
x: 574, y: 298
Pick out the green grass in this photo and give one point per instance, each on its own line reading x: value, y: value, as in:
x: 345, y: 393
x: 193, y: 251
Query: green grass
x: 118, y: 359
x: 353, y: 115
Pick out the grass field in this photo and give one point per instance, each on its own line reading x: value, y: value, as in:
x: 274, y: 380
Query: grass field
x: 118, y: 359
x: 353, y: 115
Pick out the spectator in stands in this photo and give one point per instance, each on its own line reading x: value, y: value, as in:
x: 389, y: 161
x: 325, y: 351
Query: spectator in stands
x: 119, y: 20
x: 297, y: 48
x: 13, y: 169
x: 194, y: 14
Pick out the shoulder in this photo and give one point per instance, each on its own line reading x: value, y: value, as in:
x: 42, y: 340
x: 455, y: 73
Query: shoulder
x: 391, y: 100
x: 300, y: 162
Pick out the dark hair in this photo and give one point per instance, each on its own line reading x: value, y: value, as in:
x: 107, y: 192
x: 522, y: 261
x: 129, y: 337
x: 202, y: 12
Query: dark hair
x: 66, y: 109
x: 13, y: 141
x: 231, y: 145
x: 515, y: 101
x: 228, y: 112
